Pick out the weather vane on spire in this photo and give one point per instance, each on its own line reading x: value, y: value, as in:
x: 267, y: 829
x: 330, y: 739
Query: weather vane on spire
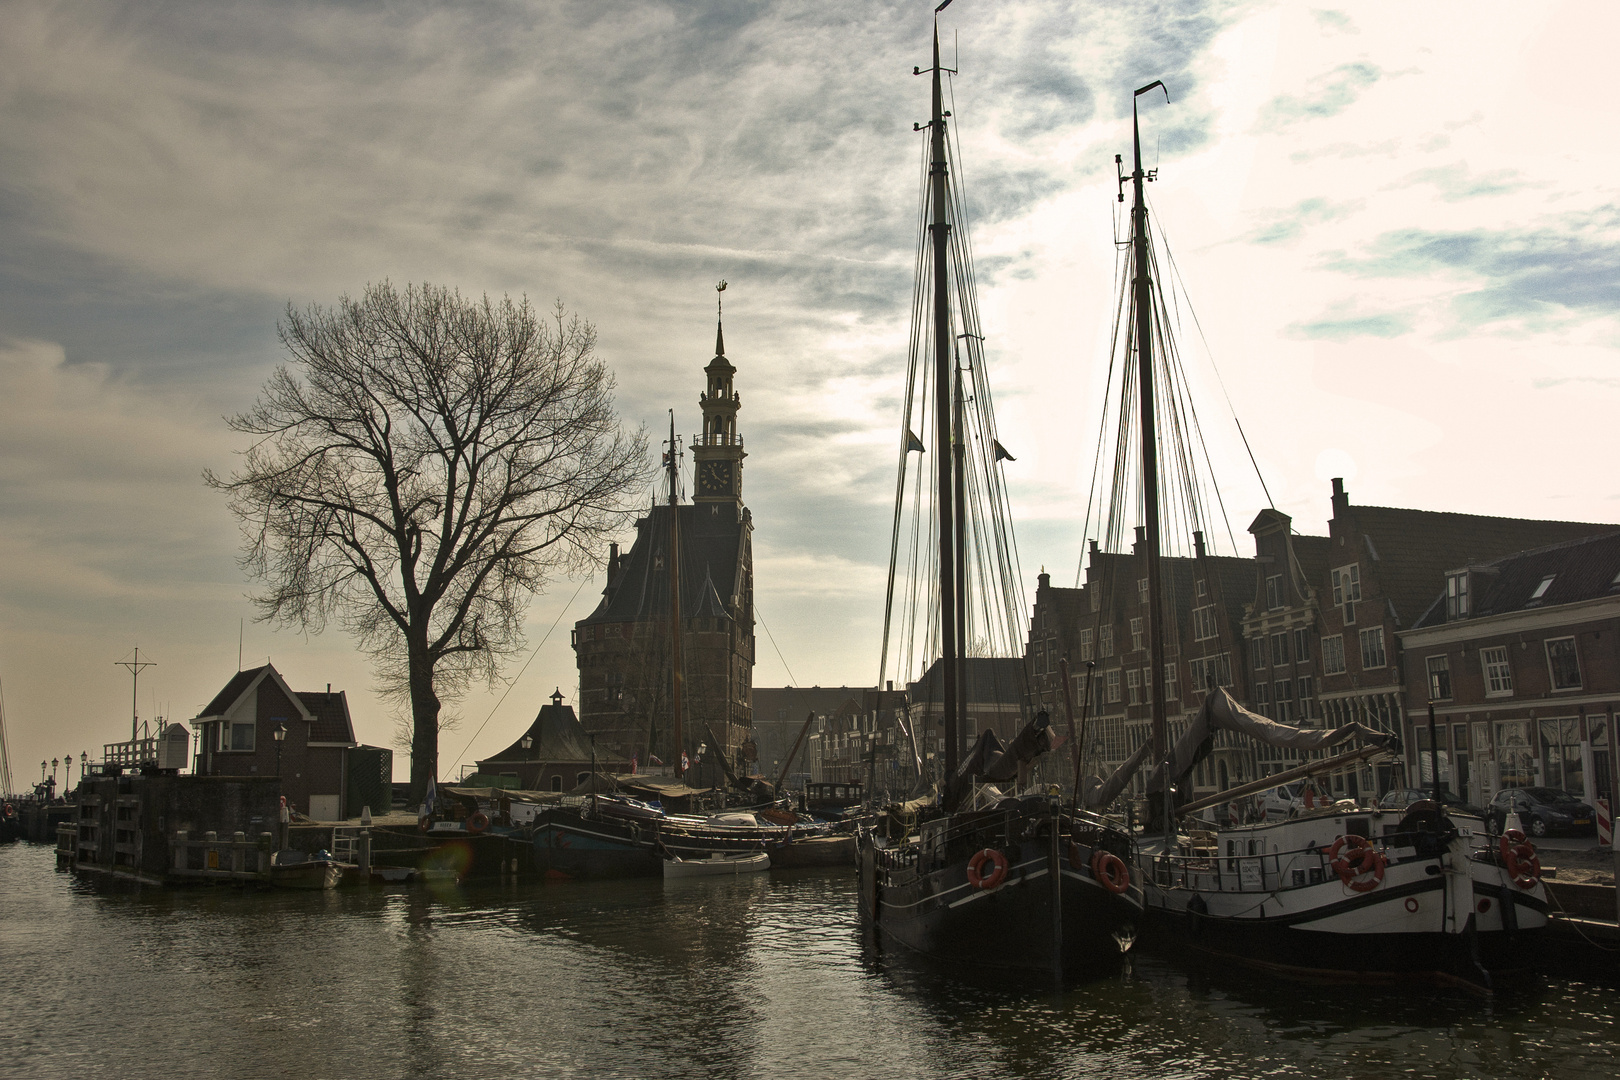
x: 718, y: 289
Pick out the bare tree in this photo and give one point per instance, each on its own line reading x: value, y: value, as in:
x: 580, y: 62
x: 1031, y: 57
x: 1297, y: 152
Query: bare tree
x: 423, y: 466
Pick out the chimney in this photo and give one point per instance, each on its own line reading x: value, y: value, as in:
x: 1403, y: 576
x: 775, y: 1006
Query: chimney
x: 1043, y: 582
x: 613, y: 562
x: 1198, y: 543
x: 1141, y: 540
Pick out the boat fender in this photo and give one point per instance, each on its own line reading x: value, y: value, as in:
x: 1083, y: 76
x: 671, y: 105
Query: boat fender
x: 478, y: 822
x: 1111, y: 871
x: 975, y: 869
x: 424, y: 823
x: 1520, y: 858
x: 1310, y: 798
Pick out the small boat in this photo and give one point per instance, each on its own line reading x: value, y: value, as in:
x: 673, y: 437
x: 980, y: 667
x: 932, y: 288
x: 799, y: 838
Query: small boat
x: 828, y: 849
x: 296, y: 870
x: 718, y: 864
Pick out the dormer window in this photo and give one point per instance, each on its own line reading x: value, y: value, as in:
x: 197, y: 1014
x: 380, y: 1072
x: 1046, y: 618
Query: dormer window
x: 1541, y: 590
x: 1457, y: 595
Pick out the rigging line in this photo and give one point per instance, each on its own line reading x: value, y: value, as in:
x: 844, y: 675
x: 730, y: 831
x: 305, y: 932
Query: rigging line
x: 1176, y: 271
x: 792, y: 679
x: 519, y: 675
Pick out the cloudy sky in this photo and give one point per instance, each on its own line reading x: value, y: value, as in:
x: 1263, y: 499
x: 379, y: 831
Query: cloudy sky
x: 1396, y: 223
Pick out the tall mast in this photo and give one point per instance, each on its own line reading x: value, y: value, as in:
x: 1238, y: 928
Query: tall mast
x: 678, y: 746
x: 940, y: 231
x: 135, y: 667
x: 1142, y: 299
x: 959, y: 460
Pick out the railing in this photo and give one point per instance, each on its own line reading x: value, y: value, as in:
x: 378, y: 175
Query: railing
x: 1241, y: 872
x: 130, y: 754
x: 716, y: 439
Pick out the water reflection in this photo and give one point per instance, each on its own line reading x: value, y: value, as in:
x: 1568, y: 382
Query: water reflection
x: 761, y: 976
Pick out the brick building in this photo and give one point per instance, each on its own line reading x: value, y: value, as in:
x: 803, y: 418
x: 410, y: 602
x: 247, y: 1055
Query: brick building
x: 1521, y: 657
x: 623, y: 648
x: 779, y: 715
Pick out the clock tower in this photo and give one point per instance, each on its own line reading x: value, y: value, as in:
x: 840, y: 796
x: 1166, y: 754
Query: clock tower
x: 717, y: 453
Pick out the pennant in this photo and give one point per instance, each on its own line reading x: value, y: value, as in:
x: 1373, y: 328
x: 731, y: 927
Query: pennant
x: 914, y: 443
x: 685, y: 762
x: 1001, y: 451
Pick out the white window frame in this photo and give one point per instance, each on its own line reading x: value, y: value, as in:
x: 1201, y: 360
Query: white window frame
x: 227, y: 736
x: 1438, y: 664
x: 1111, y: 685
x: 1497, y: 669
x: 1171, y: 679
x: 1457, y: 595
x: 1347, y: 590
x: 1136, y: 635
x: 1375, y: 635
x: 1133, y: 686
x: 1088, y: 645
x: 1105, y: 640
x: 1302, y: 645
x: 1274, y: 592
x: 1333, y: 654
x: 1552, y: 673
x: 1279, y: 649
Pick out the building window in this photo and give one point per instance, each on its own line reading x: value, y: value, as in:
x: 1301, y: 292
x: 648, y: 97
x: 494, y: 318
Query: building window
x: 1561, y: 756
x: 1171, y: 693
x: 1105, y: 640
x: 1088, y: 645
x: 1564, y: 665
x: 236, y: 735
x: 1347, y: 590
x: 1203, y: 588
x: 1457, y: 595
x: 1498, y: 675
x: 1262, y: 699
x: 1133, y: 683
x: 556, y: 782
x: 1333, y: 655
x: 1279, y: 648
x: 1372, y: 648
x: 1274, y: 592
x: 1307, y: 697
x: 1257, y: 649
x: 1439, y: 678
x: 1147, y: 685
x: 1204, y: 623
x: 1142, y: 591
x: 1302, y: 644
x: 1113, y: 685
x: 1283, y: 694
x: 1541, y: 590
x: 1136, y: 635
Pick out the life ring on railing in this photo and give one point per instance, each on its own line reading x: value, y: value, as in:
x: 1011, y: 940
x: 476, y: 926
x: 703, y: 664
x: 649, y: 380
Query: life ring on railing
x: 975, y: 869
x: 1110, y: 870
x: 478, y: 822
x: 424, y: 823
x: 1520, y: 859
x: 1361, y: 866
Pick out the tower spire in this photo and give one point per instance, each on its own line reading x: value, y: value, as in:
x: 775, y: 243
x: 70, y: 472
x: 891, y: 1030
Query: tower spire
x: 719, y: 322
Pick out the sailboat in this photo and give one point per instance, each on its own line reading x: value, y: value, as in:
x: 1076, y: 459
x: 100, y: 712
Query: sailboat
x: 1342, y: 889
x: 989, y: 875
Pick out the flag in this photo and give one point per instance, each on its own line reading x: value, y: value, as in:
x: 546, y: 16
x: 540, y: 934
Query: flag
x: 1001, y: 451
x: 685, y: 763
x: 634, y: 758
x: 430, y: 798
x: 914, y: 443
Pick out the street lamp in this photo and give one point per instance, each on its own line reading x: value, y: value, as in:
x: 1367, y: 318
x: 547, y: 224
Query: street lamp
x: 56, y: 763
x: 42, y: 767
x: 280, y: 735
x: 526, y: 742
x: 67, y: 772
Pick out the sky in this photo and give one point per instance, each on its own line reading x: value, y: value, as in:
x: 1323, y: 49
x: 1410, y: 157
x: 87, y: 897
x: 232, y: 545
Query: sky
x: 1394, y: 223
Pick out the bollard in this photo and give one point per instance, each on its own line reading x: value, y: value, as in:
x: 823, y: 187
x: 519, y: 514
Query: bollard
x: 1605, y: 823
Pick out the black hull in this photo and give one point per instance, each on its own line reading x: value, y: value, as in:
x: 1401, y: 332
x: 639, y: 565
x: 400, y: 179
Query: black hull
x: 942, y: 915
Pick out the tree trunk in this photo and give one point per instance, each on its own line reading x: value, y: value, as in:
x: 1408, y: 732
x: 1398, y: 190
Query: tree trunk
x: 424, y: 721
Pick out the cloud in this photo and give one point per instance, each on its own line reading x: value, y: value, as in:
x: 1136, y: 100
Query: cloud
x: 1291, y: 224
x: 1328, y: 95
x: 1333, y: 327
x: 1457, y: 182
x: 1567, y: 265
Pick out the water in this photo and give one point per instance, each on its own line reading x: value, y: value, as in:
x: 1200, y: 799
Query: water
x: 759, y: 977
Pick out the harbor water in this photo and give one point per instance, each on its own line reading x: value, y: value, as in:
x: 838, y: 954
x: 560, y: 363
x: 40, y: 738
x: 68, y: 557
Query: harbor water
x: 761, y: 976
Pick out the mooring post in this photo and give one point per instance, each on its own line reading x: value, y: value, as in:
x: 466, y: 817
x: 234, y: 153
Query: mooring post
x: 365, y: 843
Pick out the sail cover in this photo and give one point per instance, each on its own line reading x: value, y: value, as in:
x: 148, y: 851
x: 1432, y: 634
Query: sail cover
x: 1220, y: 713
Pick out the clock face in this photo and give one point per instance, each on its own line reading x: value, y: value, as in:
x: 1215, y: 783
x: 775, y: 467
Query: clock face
x: 714, y: 478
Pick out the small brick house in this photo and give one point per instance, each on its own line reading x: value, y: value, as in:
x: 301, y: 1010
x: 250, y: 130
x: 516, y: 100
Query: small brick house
x: 236, y: 737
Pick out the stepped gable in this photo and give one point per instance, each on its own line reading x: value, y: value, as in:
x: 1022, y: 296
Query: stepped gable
x: 1582, y: 569
x: 1413, y: 549
x: 712, y: 541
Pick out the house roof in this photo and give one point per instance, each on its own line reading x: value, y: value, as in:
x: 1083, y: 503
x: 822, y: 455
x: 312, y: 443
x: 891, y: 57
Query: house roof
x: 557, y: 736
x: 712, y: 538
x: 1411, y: 550
x: 986, y: 680
x: 1583, y: 569
x: 331, y: 711
x: 235, y: 688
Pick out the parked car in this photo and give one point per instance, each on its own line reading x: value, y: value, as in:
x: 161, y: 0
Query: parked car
x: 1287, y: 801
x: 1543, y: 810
x: 1401, y: 798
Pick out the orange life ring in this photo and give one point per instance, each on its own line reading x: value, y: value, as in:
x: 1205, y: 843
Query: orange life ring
x: 1361, y: 866
x: 1520, y: 858
x: 1110, y: 870
x: 424, y: 823
x: 975, y: 869
x: 478, y: 822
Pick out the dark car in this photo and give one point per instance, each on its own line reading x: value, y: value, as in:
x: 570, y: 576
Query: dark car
x: 1401, y: 798
x: 1543, y: 810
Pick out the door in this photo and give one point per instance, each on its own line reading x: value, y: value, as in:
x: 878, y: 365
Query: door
x: 325, y: 807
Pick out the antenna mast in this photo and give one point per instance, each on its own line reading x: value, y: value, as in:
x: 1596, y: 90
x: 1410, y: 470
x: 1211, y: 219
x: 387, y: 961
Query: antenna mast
x: 135, y: 667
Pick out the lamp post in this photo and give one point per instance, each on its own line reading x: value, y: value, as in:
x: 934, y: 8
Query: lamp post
x: 84, y: 764
x: 67, y: 772
x: 56, y: 763
x: 280, y: 735
x: 527, y: 742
